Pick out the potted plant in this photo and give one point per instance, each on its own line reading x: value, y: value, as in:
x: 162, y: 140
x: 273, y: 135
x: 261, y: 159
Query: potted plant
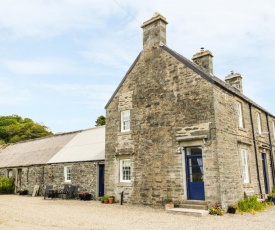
x: 168, y: 203
x: 111, y: 199
x: 105, y: 200
x: 271, y: 197
x: 232, y: 209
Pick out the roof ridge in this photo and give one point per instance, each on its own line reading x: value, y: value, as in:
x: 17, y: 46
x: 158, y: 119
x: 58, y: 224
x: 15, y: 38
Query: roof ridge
x: 212, y: 78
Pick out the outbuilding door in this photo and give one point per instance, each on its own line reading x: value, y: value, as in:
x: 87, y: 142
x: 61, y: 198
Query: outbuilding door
x: 100, y: 180
x: 194, y: 173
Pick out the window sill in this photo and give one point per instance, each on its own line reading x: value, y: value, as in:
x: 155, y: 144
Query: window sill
x: 125, y: 133
x: 242, y: 129
x: 124, y: 184
x: 247, y: 185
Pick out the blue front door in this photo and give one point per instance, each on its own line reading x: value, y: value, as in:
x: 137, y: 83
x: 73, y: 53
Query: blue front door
x: 194, y: 173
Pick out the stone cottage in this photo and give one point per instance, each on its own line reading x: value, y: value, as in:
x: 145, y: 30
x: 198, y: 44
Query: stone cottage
x: 75, y: 158
x: 174, y: 129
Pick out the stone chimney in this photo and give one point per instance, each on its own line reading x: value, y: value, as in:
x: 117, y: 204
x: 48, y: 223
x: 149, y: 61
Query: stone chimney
x: 204, y: 59
x: 235, y: 79
x: 154, y: 30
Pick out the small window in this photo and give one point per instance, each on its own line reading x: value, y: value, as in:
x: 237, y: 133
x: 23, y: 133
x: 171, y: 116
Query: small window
x: 259, y: 123
x: 240, y: 115
x: 273, y: 128
x: 68, y: 173
x: 125, y: 120
x: 125, y: 170
x: 245, y: 166
x: 10, y: 173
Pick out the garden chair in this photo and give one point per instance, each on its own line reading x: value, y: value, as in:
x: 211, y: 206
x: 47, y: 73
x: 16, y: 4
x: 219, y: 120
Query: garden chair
x: 63, y: 192
x: 47, y: 191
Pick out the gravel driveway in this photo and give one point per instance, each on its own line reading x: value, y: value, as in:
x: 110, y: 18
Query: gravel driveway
x: 25, y: 212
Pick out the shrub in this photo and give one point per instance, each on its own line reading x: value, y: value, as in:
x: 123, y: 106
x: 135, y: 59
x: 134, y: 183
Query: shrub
x: 6, y: 185
x: 250, y: 204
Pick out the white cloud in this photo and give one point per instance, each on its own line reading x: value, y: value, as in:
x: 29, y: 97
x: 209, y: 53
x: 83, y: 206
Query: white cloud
x: 91, y: 96
x: 42, y: 66
x: 12, y: 94
x: 40, y: 18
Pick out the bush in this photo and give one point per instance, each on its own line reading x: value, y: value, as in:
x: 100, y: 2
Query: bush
x: 250, y: 204
x: 6, y: 185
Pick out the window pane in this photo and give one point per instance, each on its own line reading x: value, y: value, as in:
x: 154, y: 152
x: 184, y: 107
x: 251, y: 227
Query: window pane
x: 125, y: 170
x: 125, y: 120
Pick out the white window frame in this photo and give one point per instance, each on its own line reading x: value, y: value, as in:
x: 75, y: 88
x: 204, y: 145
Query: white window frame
x: 273, y: 128
x: 240, y: 115
x: 10, y: 173
x: 245, y: 170
x: 125, y: 121
x: 123, y: 170
x: 259, y: 123
x: 68, y: 173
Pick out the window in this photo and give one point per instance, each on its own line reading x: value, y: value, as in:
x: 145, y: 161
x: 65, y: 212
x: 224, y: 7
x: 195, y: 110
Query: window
x: 125, y: 170
x: 240, y: 115
x: 125, y: 120
x: 244, y: 166
x: 10, y: 173
x: 68, y: 173
x: 273, y: 128
x: 259, y: 123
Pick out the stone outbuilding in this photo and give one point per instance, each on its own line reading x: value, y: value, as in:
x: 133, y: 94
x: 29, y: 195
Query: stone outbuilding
x: 175, y: 130
x: 75, y: 158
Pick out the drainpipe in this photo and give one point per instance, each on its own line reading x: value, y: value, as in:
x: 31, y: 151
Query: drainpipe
x: 255, y: 148
x: 271, y: 150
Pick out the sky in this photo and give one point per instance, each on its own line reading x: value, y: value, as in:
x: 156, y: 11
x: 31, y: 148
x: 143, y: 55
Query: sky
x: 61, y: 60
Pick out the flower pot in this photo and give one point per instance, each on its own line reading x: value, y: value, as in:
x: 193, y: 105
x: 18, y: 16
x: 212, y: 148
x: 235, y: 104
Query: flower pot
x: 106, y: 201
x: 110, y: 200
x: 169, y: 205
x: 231, y: 210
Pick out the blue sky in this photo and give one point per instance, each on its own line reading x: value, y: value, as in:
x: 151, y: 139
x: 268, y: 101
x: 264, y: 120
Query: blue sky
x: 61, y: 60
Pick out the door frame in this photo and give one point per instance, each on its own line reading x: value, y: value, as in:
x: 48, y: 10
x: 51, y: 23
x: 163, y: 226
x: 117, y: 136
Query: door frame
x: 187, y: 170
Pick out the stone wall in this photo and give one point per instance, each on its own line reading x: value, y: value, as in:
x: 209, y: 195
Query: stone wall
x: 168, y: 101
x: 231, y: 139
x: 84, y: 174
x: 172, y: 106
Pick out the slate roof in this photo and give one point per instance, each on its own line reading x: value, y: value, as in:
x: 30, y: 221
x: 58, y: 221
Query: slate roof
x: 88, y: 145
x: 199, y: 70
x: 83, y: 145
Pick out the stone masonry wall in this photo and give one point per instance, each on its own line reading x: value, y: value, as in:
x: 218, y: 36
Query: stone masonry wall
x: 167, y: 101
x: 84, y: 174
x: 230, y: 140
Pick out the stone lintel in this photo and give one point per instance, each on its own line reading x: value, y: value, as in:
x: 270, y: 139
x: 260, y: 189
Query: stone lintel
x: 191, y: 138
x: 241, y: 141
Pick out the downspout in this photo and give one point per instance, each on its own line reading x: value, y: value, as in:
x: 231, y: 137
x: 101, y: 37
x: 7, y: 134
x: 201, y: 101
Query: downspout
x: 271, y: 150
x: 255, y: 148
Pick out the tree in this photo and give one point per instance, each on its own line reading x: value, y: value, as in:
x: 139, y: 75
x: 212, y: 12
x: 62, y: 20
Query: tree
x: 101, y: 120
x: 15, y: 128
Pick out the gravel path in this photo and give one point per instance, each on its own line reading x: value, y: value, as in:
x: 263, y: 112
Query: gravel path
x: 25, y: 212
